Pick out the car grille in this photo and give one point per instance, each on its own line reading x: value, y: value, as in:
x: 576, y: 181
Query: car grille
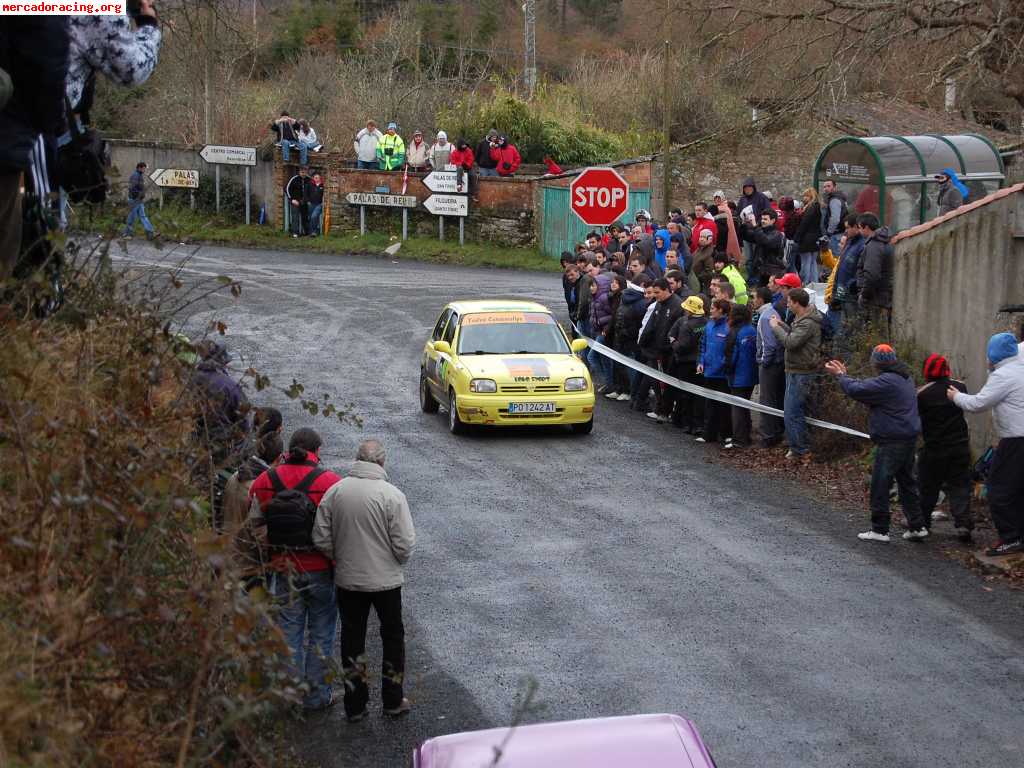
x: 548, y: 388
x: 503, y: 413
x: 523, y: 388
x: 515, y: 389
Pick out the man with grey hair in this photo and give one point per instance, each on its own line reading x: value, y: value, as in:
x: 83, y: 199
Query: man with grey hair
x: 364, y: 525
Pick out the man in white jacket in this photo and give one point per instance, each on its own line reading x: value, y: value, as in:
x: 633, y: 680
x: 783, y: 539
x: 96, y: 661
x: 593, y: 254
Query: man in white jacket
x: 365, y: 145
x: 364, y: 525
x: 1003, y: 393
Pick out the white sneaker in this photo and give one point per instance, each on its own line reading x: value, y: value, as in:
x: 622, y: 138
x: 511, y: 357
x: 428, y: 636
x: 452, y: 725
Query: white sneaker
x: 612, y: 395
x: 700, y: 440
x: 657, y: 417
x: 938, y: 514
x: 872, y: 536
x: 790, y: 455
x: 918, y: 535
x: 623, y: 397
x: 728, y: 443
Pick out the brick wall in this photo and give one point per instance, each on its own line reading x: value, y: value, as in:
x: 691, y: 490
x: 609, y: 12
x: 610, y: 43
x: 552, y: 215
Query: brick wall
x: 503, y: 214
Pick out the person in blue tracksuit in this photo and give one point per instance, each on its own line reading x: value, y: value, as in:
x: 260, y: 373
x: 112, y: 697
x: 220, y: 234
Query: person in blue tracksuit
x: 711, y: 365
x: 741, y: 367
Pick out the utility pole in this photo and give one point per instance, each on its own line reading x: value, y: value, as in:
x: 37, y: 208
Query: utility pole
x: 530, y: 47
x: 208, y: 54
x: 666, y: 127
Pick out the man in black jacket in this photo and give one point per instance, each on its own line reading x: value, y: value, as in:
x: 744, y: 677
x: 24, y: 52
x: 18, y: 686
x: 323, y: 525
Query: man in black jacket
x: 654, y: 341
x: 487, y: 166
x: 875, y: 274
x: 34, y: 52
x: 316, y: 204
x: 299, y: 192
x: 944, y: 461
x: 684, y: 337
x: 769, y: 247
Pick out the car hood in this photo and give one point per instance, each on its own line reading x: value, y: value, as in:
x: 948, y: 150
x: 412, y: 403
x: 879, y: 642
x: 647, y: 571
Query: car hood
x: 513, y: 368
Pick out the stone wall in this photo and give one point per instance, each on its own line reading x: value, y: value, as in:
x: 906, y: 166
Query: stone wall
x: 503, y: 212
x: 158, y: 154
x: 952, y: 275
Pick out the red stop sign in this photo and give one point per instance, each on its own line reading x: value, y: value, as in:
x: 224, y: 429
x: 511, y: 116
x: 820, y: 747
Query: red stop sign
x: 599, y: 196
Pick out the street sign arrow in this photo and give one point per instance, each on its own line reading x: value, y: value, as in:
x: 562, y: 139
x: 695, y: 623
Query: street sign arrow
x: 215, y: 153
x: 447, y: 205
x: 443, y: 181
x: 184, y: 178
x: 388, y: 201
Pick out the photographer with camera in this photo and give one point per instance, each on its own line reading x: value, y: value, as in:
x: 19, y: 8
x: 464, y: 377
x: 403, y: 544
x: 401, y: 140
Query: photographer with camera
x: 391, y: 150
x: 125, y: 50
x: 505, y: 156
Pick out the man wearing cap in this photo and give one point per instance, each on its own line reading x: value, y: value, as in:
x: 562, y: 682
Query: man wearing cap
x: 894, y: 425
x: 391, y: 150
x: 487, y: 165
x: 944, y: 461
x: 416, y: 157
x: 365, y: 145
x: 1003, y: 394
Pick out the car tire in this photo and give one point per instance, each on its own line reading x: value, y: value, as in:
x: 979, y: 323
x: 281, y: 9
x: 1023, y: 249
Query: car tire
x: 427, y: 402
x: 583, y: 429
x: 455, y: 425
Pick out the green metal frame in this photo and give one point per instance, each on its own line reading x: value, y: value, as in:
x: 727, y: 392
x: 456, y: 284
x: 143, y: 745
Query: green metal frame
x: 995, y: 151
x: 878, y: 163
x: 956, y: 150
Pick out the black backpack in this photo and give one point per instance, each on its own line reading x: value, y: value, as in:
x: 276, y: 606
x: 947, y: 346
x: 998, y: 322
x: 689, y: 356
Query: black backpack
x: 291, y: 512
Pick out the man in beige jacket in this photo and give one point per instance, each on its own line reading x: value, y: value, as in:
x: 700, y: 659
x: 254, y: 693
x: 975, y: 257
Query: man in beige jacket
x: 364, y: 525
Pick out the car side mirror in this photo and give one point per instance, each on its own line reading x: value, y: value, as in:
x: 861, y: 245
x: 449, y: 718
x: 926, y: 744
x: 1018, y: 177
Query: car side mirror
x: 578, y: 345
x: 442, y: 347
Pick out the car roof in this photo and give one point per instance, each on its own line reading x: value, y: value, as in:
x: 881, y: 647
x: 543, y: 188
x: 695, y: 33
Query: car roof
x: 653, y: 741
x: 497, y: 305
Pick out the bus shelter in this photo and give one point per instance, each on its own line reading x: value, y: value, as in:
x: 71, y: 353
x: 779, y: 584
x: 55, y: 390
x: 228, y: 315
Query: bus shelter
x: 894, y: 176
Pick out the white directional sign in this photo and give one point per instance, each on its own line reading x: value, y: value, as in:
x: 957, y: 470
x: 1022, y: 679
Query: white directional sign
x: 175, y: 177
x: 213, y: 153
x: 447, y: 205
x: 388, y: 201
x: 444, y: 181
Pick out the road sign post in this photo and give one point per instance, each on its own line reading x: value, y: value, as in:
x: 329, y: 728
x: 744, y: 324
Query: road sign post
x: 216, y: 188
x: 599, y: 196
x: 180, y: 178
x: 248, y: 194
x: 218, y: 155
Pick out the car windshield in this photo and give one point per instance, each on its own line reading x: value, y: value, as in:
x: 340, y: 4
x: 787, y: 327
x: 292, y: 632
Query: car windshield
x: 511, y: 333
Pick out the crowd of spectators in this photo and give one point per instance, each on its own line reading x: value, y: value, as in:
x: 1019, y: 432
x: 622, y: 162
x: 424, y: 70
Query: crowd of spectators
x: 746, y: 293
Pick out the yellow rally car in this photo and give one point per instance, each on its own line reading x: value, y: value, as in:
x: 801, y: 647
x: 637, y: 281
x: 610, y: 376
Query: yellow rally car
x: 505, y: 362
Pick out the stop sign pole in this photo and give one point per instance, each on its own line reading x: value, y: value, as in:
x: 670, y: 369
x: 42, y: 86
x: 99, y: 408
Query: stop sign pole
x: 599, y: 196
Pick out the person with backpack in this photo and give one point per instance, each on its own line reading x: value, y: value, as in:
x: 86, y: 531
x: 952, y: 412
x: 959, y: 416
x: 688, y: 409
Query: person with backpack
x: 364, y: 525
x: 137, y: 201
x: 301, y: 577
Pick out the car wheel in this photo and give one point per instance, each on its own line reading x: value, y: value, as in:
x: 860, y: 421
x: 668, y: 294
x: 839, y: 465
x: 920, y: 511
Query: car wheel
x: 455, y: 424
x: 583, y: 429
x: 427, y: 402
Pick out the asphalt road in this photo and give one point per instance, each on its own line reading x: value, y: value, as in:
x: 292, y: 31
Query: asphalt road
x: 626, y: 571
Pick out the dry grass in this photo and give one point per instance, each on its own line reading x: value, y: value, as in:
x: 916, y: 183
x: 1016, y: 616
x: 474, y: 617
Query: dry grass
x: 125, y: 639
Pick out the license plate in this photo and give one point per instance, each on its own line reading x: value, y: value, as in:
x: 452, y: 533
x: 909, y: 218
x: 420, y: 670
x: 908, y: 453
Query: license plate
x: 531, y: 407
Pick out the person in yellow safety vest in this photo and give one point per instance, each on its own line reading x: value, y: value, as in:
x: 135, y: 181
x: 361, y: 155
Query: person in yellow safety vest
x: 391, y: 150
x: 724, y: 265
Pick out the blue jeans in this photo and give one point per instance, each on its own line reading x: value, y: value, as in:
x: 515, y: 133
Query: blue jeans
x: 599, y: 362
x: 315, y: 216
x: 138, y: 212
x: 809, y: 267
x: 488, y: 171
x: 307, y: 611
x: 367, y: 165
x: 794, y: 406
x: 286, y: 147
x: 833, y: 243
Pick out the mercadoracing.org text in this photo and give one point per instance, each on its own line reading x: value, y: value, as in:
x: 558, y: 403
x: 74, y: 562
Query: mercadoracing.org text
x: 41, y: 8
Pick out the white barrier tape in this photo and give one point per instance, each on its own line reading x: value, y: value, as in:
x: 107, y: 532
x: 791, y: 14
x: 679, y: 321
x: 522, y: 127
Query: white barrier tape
x: 710, y: 394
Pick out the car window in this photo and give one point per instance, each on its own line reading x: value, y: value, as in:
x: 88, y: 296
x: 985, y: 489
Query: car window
x: 449, y: 332
x: 497, y: 333
x: 439, y: 328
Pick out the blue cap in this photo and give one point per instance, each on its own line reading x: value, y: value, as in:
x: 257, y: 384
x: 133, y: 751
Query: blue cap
x: 1000, y: 347
x: 392, y: 125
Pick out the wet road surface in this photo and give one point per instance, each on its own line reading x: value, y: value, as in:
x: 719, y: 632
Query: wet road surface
x: 626, y: 571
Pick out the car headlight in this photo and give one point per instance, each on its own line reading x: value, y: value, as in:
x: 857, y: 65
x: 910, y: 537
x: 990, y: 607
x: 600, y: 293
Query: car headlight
x: 483, y: 385
x: 576, y: 384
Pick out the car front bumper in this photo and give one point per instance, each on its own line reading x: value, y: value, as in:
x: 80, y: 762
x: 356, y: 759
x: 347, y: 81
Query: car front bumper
x: 570, y: 408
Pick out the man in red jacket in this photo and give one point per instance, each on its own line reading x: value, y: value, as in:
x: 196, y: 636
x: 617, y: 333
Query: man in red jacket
x: 505, y: 154
x: 301, y: 578
x: 703, y: 220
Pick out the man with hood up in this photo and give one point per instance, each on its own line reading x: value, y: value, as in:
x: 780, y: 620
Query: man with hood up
x: 757, y: 201
x: 875, y: 274
x: 952, y: 192
x: 662, y: 245
x: 894, y: 424
x: 505, y: 156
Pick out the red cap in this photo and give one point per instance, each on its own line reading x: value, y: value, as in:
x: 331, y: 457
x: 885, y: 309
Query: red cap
x: 789, y: 280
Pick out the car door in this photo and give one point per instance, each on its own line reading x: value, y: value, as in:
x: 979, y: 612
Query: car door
x: 429, y: 355
x: 442, y: 362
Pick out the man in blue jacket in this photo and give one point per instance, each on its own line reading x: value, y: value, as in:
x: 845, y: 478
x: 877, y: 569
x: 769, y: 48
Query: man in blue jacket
x: 894, y: 425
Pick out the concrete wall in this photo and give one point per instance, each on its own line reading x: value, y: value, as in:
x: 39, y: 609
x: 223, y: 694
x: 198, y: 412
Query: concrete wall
x: 503, y: 212
x: 952, y: 275
x: 158, y: 154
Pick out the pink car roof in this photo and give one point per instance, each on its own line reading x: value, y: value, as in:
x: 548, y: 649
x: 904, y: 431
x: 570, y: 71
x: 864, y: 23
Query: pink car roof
x: 652, y: 741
